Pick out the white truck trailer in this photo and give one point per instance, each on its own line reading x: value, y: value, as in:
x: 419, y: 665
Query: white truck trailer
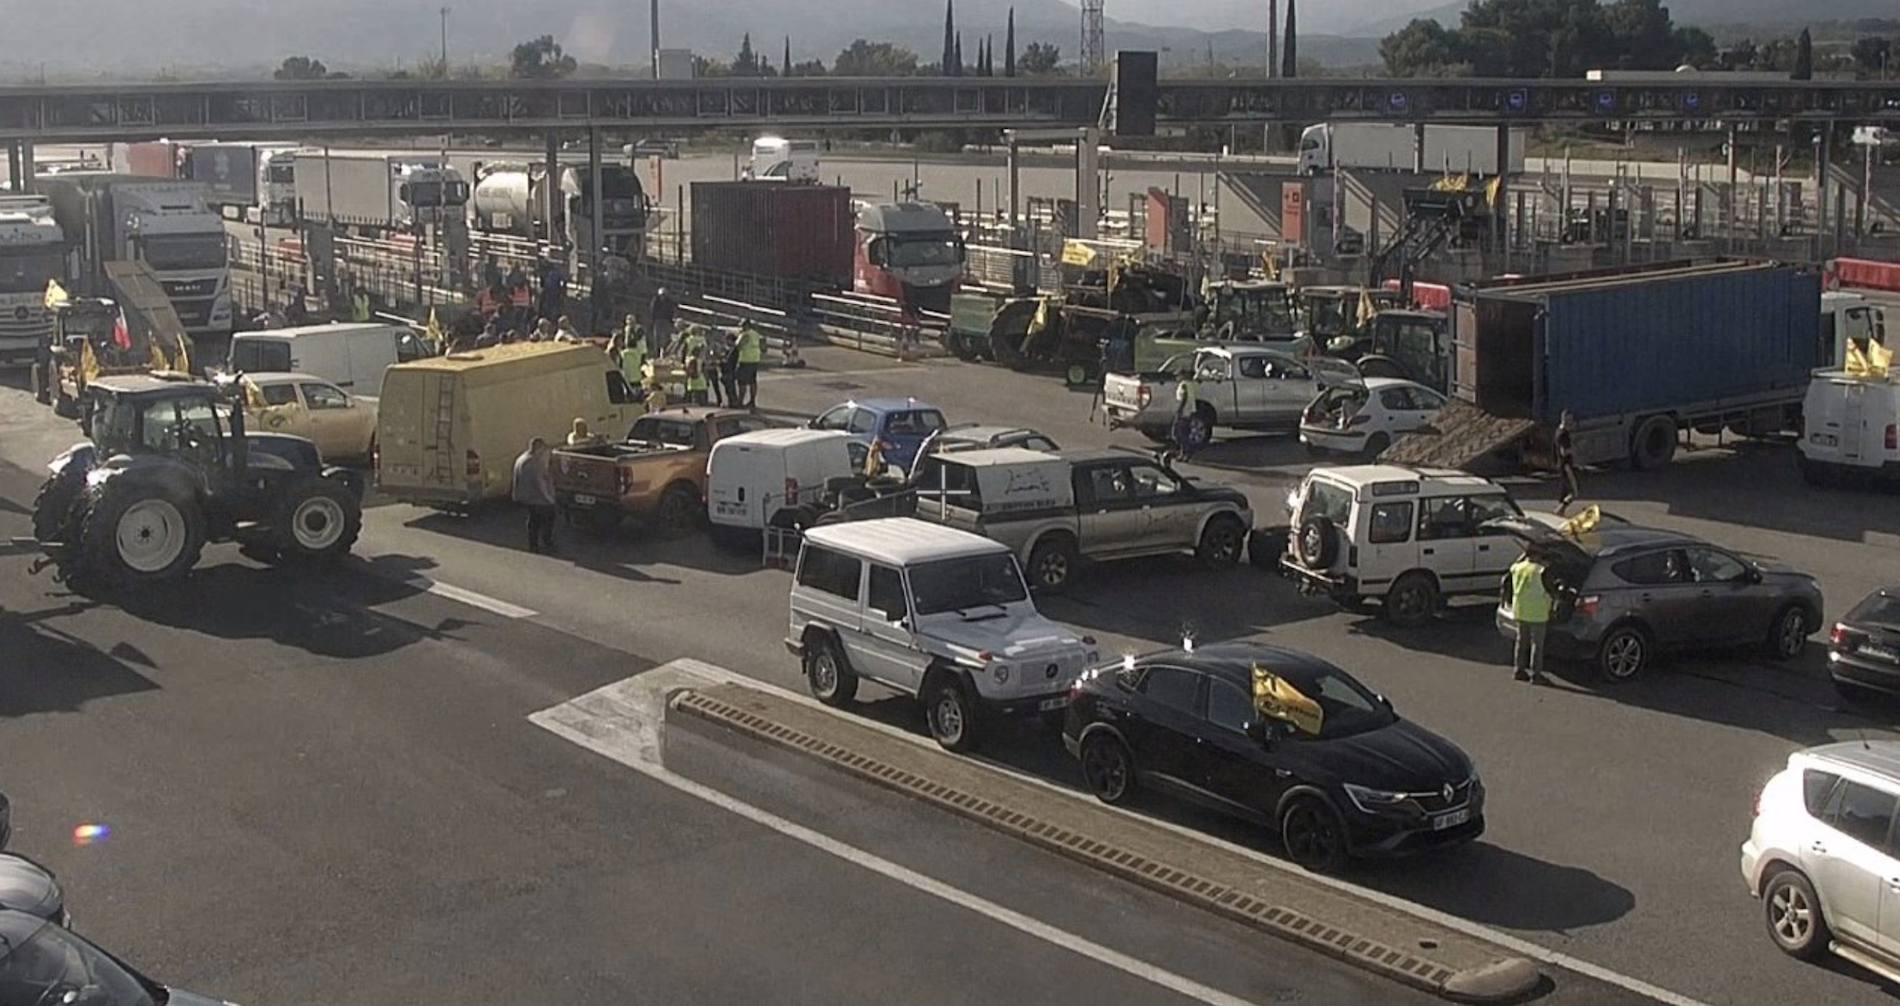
x: 257, y: 180
x: 32, y: 253
x: 1381, y: 146
x: 377, y: 193
x: 168, y: 225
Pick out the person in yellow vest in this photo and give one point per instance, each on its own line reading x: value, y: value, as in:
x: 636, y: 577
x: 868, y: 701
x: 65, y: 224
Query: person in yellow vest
x: 1530, y: 614
x: 692, y: 342
x: 751, y: 350
x: 697, y: 383
x: 359, y: 305
x: 633, y: 353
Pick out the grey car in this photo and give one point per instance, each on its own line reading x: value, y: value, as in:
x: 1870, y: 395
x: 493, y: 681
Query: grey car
x: 26, y: 886
x: 1628, y: 594
x: 43, y: 962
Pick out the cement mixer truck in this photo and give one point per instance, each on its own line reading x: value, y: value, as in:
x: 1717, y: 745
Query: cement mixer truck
x: 512, y: 198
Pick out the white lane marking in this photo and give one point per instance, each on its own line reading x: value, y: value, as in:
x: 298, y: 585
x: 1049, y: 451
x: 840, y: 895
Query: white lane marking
x: 1515, y: 944
x: 635, y: 744
x: 469, y: 597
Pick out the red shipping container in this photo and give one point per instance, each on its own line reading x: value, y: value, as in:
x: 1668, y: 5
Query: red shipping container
x: 775, y: 230
x: 1868, y: 274
x: 1426, y: 296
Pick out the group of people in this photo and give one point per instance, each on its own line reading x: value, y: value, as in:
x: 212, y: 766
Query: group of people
x: 514, y: 300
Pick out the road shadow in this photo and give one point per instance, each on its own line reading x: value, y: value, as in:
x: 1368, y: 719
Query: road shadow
x: 1160, y: 599
x: 1487, y: 884
x: 619, y: 553
x: 51, y: 671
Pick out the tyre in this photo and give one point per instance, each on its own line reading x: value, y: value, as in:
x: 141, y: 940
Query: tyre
x: 951, y: 715
x: 316, y: 520
x: 135, y: 532
x: 1200, y: 428
x: 1222, y: 542
x: 1314, y: 835
x: 1376, y: 445
x: 680, y: 513
x: 1318, y: 543
x: 1108, y: 769
x: 960, y: 347
x: 1077, y: 375
x: 1052, y: 563
x: 1623, y: 654
x: 1793, y: 914
x: 828, y: 674
x: 1413, y: 600
x: 1654, y: 444
x: 1788, y: 632
x: 56, y: 509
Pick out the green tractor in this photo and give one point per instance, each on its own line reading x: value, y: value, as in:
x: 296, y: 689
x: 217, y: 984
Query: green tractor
x: 170, y: 468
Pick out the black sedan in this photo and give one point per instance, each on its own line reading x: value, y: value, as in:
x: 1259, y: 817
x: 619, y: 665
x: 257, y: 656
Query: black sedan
x: 1320, y: 758
x: 1863, y: 652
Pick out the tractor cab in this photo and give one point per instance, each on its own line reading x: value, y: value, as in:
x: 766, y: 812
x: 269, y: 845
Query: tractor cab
x: 1251, y: 310
x: 1414, y: 345
x: 81, y: 320
x: 1329, y: 314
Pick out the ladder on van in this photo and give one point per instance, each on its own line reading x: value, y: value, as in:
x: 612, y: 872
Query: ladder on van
x: 444, y: 432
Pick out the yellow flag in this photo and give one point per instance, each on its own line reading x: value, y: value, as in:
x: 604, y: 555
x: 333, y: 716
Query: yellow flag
x: 1272, y: 263
x: 1275, y: 698
x: 157, y: 356
x: 55, y: 294
x: 1491, y: 191
x: 1040, y: 323
x: 1857, y: 363
x: 1583, y: 523
x: 253, y: 397
x: 182, y: 361
x: 1879, y: 359
x: 88, y: 364
x: 434, y: 333
x: 1077, y: 253
x: 1366, y: 310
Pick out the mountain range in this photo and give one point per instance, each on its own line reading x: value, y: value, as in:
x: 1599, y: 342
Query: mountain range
x: 189, y: 38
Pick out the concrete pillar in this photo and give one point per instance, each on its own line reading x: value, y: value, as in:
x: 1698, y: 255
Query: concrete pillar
x: 596, y: 283
x: 1501, y: 206
x: 27, y: 170
x: 1088, y: 185
x: 1015, y: 186
x: 1823, y: 167
x: 1418, y: 148
x: 13, y: 166
x: 552, y: 190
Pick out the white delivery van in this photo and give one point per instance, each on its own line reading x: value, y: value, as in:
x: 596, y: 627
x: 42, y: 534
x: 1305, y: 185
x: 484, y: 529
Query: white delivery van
x: 1850, y: 428
x: 450, y: 427
x: 351, y: 356
x: 762, y: 478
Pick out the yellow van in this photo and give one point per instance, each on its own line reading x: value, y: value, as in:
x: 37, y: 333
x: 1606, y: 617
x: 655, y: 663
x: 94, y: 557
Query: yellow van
x: 451, y: 426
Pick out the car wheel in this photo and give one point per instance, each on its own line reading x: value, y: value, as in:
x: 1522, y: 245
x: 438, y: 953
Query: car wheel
x: 1051, y: 563
x: 828, y: 675
x: 1108, y: 769
x: 1623, y: 654
x: 951, y: 716
x: 1413, y: 600
x: 1200, y: 429
x: 680, y: 512
x: 1794, y: 915
x: 1314, y: 835
x: 1788, y: 633
x: 1222, y: 541
x: 1376, y: 444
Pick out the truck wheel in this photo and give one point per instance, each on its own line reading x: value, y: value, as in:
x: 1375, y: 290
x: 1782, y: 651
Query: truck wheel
x: 1654, y: 444
x: 138, y: 533
x: 951, y: 714
x: 1051, y: 564
x: 828, y: 674
x: 316, y: 520
x: 1222, y: 541
x: 1200, y: 428
x: 680, y: 512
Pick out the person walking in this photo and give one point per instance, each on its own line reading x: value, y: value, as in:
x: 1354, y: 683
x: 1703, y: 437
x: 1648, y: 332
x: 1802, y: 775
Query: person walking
x: 750, y: 351
x: 1530, y: 615
x: 553, y: 289
x: 1566, y: 462
x: 633, y: 353
x: 1187, y: 397
x: 534, y: 489
x: 359, y: 305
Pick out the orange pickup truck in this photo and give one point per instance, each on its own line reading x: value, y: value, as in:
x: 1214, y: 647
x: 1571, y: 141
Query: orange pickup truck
x: 658, y: 473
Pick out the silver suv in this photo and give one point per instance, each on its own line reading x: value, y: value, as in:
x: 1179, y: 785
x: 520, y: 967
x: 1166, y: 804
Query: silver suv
x: 933, y: 612
x: 1824, y: 858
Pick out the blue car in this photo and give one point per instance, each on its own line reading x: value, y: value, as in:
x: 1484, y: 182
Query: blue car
x: 903, y: 424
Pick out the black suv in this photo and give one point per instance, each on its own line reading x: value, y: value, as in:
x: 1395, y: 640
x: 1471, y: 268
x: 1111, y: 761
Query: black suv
x: 1279, y: 737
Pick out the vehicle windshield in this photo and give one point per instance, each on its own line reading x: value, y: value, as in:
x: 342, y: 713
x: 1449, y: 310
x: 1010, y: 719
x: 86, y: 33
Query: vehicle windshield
x: 654, y: 429
x: 1265, y: 312
x: 923, y: 251
x: 56, y: 966
x: 427, y: 194
x: 1882, y: 609
x: 280, y: 173
x: 1347, y: 708
x: 178, y: 252
x: 1325, y: 314
x: 968, y: 582
x: 27, y: 272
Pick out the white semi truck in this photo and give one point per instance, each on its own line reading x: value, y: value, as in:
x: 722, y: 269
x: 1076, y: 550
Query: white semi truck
x: 377, y: 193
x: 776, y: 159
x: 511, y: 198
x: 1381, y: 146
x: 32, y: 253
x: 257, y: 180
x: 168, y: 225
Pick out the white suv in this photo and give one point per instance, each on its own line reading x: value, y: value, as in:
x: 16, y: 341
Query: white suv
x: 933, y: 612
x: 1824, y: 858
x: 1408, y: 536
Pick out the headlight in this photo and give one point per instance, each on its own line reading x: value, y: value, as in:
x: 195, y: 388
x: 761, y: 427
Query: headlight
x: 1001, y: 674
x: 1373, y: 800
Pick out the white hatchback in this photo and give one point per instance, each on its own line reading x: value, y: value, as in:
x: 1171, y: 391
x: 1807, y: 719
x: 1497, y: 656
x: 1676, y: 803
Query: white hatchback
x: 1364, y: 417
x: 1823, y: 856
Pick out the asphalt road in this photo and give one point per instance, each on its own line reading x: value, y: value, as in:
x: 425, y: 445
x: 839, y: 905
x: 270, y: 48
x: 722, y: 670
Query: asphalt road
x: 354, y: 750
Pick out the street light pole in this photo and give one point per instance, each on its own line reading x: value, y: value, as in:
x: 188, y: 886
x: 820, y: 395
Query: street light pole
x: 445, y: 41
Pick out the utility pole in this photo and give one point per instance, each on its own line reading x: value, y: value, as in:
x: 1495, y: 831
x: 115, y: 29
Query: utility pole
x: 445, y: 41
x: 1273, y: 39
x: 653, y: 30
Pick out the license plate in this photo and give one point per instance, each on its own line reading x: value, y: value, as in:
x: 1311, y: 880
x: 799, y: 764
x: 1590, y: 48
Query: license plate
x: 1451, y: 820
x: 1825, y: 439
x: 1049, y: 705
x: 582, y: 499
x: 1879, y: 652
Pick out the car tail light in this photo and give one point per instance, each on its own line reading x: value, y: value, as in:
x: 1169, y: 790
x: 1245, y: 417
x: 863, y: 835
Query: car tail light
x: 791, y: 492
x: 1143, y: 395
x: 473, y: 463
x: 1893, y: 437
x: 376, y: 460
x: 1588, y: 604
x: 1359, y: 419
x: 624, y: 480
x: 1075, y: 689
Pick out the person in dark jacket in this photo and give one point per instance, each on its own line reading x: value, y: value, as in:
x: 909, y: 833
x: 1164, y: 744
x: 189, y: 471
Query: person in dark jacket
x: 1566, y: 462
x: 534, y: 489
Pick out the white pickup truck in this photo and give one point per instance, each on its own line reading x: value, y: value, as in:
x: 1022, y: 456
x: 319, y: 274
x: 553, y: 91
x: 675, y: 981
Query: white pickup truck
x: 1242, y: 387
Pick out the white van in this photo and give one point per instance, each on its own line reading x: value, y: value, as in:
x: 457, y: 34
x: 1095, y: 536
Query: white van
x: 759, y: 479
x: 1849, y: 428
x: 450, y: 427
x: 351, y: 356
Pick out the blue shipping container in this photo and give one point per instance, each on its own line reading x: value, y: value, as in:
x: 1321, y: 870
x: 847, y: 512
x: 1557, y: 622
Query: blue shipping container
x: 1674, y: 342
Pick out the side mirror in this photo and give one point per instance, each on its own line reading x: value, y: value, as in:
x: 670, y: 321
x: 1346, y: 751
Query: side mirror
x: 1752, y: 576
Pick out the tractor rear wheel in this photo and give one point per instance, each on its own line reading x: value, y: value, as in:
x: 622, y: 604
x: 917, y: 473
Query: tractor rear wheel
x: 139, y: 532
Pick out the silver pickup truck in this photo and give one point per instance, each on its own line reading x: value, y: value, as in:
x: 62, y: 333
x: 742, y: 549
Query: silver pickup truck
x: 1242, y: 387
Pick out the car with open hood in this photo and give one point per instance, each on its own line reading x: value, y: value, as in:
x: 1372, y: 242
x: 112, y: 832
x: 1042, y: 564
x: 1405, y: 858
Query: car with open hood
x: 1629, y: 594
x: 1278, y: 737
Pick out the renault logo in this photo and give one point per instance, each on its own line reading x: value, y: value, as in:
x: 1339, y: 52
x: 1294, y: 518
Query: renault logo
x: 1450, y: 791
x: 20, y: 312
x: 1051, y: 672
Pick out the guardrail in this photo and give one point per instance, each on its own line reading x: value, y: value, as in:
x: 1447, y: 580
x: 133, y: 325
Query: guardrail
x: 878, y: 325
